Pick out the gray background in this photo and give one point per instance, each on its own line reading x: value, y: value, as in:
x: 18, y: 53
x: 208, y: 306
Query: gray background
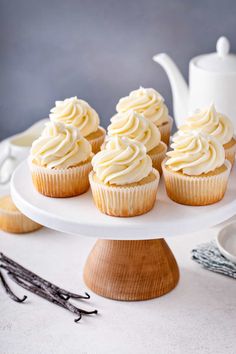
x: 97, y: 50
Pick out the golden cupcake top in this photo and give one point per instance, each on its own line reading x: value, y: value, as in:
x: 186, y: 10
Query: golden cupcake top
x: 195, y: 153
x: 76, y: 112
x: 146, y: 101
x: 60, y: 146
x: 123, y: 161
x: 211, y: 122
x: 135, y: 126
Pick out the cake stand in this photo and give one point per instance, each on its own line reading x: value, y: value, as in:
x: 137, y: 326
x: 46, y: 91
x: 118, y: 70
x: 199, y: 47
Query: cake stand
x: 131, y: 260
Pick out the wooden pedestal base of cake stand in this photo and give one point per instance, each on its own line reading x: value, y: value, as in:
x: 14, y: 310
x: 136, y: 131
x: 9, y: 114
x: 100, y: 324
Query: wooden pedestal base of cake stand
x: 131, y: 270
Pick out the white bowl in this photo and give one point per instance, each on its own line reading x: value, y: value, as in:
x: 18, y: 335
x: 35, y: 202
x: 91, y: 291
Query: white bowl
x: 226, y: 242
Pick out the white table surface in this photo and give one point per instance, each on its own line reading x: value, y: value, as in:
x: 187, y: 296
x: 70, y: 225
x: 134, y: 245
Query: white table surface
x: 198, y: 316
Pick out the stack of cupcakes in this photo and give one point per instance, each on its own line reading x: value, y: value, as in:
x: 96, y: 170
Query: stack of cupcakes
x: 80, y: 114
x: 60, y: 159
x: 196, y: 171
x: 135, y: 126
x: 124, y: 175
x: 126, y: 172
x: 211, y: 122
x: 151, y: 105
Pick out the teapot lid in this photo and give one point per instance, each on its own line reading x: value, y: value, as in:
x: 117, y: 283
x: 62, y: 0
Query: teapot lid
x: 221, y: 61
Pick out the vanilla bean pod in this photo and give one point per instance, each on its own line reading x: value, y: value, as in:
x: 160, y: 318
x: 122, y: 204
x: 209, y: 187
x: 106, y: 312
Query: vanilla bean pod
x: 34, y: 289
x: 42, y: 287
x: 50, y: 294
x: 23, y: 275
x: 50, y: 291
x: 37, y: 291
x: 64, y: 294
x: 73, y: 295
x: 19, y: 273
x: 69, y: 305
x: 9, y: 291
x: 33, y: 280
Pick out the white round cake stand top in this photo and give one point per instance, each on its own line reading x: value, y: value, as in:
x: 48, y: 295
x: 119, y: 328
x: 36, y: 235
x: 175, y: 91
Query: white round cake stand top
x: 78, y: 215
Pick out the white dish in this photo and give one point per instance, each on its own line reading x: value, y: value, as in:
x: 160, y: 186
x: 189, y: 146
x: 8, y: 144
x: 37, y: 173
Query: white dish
x: 14, y: 150
x: 79, y: 215
x: 226, y: 242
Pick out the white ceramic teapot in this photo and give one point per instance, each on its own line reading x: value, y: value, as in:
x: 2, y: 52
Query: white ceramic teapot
x: 212, y: 79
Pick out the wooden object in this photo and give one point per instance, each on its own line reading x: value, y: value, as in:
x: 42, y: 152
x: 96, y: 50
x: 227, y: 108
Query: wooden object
x: 131, y: 270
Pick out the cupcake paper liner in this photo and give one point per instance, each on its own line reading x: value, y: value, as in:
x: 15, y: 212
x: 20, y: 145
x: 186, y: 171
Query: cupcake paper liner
x: 195, y: 190
x: 96, y: 143
x: 165, y: 131
x: 158, y: 158
x: 124, y: 201
x: 16, y: 222
x: 61, y: 183
x: 230, y: 154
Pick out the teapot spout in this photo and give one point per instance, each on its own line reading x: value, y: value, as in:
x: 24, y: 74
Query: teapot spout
x: 179, y: 87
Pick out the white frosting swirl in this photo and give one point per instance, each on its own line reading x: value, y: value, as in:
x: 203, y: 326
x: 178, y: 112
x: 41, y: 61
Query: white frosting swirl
x: 195, y: 153
x: 77, y: 113
x: 210, y: 122
x: 123, y: 161
x: 146, y: 101
x: 60, y: 146
x: 134, y: 126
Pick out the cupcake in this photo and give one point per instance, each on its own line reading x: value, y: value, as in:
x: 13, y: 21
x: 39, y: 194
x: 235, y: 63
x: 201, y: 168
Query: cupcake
x: 123, y: 181
x: 60, y: 161
x: 196, y: 172
x: 151, y: 104
x: 216, y: 124
x: 12, y: 220
x: 135, y: 126
x: 82, y: 116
